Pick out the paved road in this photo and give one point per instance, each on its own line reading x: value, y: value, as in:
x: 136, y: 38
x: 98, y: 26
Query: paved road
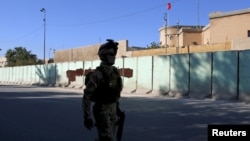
x: 29, y: 113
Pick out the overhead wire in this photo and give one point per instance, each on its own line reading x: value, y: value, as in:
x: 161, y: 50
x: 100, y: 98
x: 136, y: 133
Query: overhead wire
x: 115, y: 18
x: 25, y: 35
x: 109, y: 19
x: 94, y: 22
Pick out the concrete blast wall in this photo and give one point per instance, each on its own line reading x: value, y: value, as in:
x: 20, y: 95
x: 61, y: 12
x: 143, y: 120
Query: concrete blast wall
x: 217, y: 75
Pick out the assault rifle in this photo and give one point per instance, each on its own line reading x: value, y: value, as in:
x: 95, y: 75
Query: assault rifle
x: 120, y: 124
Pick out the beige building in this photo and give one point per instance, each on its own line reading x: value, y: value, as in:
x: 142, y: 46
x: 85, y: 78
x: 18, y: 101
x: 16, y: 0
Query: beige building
x: 233, y: 26
x: 229, y: 26
x: 176, y: 36
x: 3, y: 61
x: 226, y: 31
x: 87, y: 53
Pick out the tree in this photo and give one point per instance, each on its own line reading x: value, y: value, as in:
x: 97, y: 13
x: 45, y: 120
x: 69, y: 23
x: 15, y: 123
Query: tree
x: 20, y: 57
x: 153, y: 45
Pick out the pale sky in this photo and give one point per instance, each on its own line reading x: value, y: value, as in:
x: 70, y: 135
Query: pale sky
x: 76, y: 23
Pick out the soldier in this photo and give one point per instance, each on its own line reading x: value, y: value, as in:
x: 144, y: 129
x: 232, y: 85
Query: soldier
x: 103, y: 87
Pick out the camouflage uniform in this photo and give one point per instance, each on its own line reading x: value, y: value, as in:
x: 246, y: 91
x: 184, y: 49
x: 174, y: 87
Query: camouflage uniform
x: 103, y: 87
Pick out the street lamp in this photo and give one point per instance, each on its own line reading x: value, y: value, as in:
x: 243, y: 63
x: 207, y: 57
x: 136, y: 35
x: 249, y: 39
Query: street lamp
x: 44, y: 23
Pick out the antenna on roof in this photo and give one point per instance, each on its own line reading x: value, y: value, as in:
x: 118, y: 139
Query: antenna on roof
x: 198, y: 13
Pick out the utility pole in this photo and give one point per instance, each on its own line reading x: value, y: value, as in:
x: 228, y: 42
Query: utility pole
x: 44, y: 35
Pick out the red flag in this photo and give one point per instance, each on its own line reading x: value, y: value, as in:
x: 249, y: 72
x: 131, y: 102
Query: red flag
x: 169, y: 6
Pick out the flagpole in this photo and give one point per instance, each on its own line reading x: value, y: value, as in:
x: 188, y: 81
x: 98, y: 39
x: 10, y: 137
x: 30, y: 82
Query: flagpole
x: 166, y: 24
x: 166, y: 20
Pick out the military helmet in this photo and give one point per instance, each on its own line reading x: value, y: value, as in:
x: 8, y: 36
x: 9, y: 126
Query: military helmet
x: 109, y: 44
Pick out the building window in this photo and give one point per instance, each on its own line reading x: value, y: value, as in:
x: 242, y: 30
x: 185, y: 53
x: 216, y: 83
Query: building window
x: 248, y: 33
